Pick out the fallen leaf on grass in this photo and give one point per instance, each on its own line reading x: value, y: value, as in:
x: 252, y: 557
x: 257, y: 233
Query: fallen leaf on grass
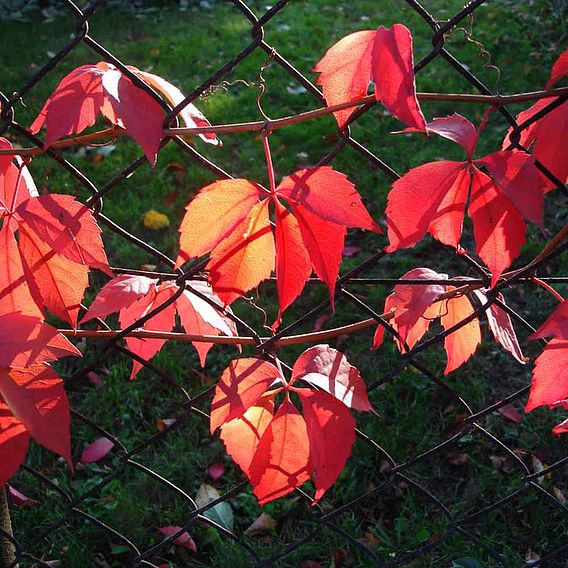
x: 97, y: 450
x: 19, y: 499
x: 216, y: 471
x: 263, y: 524
x: 184, y: 539
x: 221, y: 513
x: 163, y: 423
x: 155, y: 221
x: 510, y: 412
x: 94, y: 379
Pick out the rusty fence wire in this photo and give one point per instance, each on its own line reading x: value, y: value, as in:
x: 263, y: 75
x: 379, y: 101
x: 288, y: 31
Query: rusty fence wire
x: 453, y: 516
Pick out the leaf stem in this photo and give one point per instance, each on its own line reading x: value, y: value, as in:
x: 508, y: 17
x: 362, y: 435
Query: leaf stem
x: 269, y: 166
x: 547, y: 287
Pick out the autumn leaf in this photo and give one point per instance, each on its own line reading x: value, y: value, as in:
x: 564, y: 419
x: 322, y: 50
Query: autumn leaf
x: 231, y: 220
x: 96, y: 450
x: 190, y: 114
x: 383, y: 56
x: 432, y: 198
x: 183, y: 538
x: 415, y: 306
x: 133, y: 297
x: 409, y: 304
x: 102, y: 88
x: 26, y: 341
x: 549, y: 384
x: 279, y: 450
x: 33, y: 404
x: 58, y: 241
x: 462, y: 343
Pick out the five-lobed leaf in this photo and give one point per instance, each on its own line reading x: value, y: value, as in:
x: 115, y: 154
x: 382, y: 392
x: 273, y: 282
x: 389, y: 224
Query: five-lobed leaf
x: 231, y: 220
x: 432, y: 198
x: 280, y: 450
x: 102, y: 88
x: 136, y: 296
x: 415, y: 306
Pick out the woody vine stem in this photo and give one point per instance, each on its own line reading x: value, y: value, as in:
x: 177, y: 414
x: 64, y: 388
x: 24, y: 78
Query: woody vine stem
x: 268, y: 125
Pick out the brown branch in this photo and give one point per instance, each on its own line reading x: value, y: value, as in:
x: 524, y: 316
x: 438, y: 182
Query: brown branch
x: 299, y: 339
x: 312, y: 337
x: 270, y: 125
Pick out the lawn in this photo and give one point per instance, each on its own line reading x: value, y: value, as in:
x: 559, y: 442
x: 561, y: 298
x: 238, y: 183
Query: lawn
x: 399, y: 516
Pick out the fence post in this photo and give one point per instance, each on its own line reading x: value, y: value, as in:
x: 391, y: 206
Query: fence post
x: 7, y: 548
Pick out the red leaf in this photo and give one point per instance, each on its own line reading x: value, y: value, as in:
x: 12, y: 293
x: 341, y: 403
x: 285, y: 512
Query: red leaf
x: 556, y: 325
x: 163, y: 321
x: 393, y: 74
x: 68, y: 227
x: 16, y: 184
x: 280, y: 463
x: 15, y: 293
x: 346, y: 71
x: 216, y: 471
x: 454, y: 127
x: 414, y: 201
x: 26, y: 341
x: 120, y: 292
x: 501, y: 327
x: 74, y: 105
x: 90, y: 89
x: 14, y: 440
x: 559, y: 70
x: 190, y: 114
x: 550, y: 375
x: 5, y: 161
x: 411, y: 300
x: 240, y: 386
x: 329, y: 195
x: 96, y: 450
x: 510, y: 412
x: 446, y: 225
x: 200, y: 318
x: 462, y: 343
x: 561, y: 428
x: 331, y: 433
x: 324, y: 243
x: 498, y: 227
x: 36, y: 397
x: 329, y: 369
x: 410, y: 303
x: 293, y: 265
x: 59, y: 283
x: 216, y: 212
x: 242, y: 435
x: 544, y: 135
x: 245, y: 258
x: 139, y: 113
x: 518, y: 178
x: 19, y: 499
x: 184, y: 539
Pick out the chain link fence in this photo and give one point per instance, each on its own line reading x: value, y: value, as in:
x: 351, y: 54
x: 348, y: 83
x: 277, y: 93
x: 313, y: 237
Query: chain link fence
x: 407, y: 479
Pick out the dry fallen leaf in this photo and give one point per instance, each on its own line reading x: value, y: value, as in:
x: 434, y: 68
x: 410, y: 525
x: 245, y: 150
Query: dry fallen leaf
x: 155, y: 221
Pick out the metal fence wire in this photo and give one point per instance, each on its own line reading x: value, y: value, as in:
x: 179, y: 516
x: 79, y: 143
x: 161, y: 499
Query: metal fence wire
x: 408, y: 486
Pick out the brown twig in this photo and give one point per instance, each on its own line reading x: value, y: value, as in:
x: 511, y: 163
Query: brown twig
x: 274, y: 124
x: 299, y: 339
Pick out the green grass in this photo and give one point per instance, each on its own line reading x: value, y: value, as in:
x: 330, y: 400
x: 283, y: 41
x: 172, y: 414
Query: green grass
x: 186, y: 47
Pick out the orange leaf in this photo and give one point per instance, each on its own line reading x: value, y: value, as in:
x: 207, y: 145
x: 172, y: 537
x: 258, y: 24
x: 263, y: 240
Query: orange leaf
x: 245, y: 258
x: 462, y: 343
x: 281, y: 461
